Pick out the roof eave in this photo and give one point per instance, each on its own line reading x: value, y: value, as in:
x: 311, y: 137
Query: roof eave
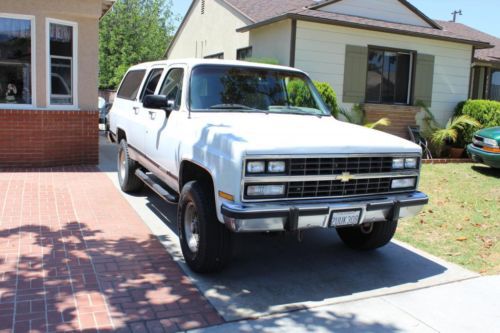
x: 106, y: 6
x: 476, y: 44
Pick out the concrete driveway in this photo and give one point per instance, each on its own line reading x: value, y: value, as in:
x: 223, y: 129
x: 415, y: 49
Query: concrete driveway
x: 315, y: 285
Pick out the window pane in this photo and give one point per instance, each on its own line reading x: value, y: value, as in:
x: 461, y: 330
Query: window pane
x: 151, y: 82
x: 243, y: 54
x: 172, y: 86
x: 389, y: 77
x: 495, y: 86
x: 61, y: 64
x: 130, y: 85
x: 402, y: 78
x: 374, y: 77
x: 15, y: 61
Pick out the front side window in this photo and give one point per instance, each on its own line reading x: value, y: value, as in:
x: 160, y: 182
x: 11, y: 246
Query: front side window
x: 495, y: 86
x: 151, y: 82
x: 15, y: 61
x: 172, y: 86
x: 131, y: 84
x: 388, y: 78
x: 253, y: 89
x: 61, y: 64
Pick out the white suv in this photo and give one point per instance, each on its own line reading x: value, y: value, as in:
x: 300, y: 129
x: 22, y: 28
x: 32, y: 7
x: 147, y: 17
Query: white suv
x: 245, y: 147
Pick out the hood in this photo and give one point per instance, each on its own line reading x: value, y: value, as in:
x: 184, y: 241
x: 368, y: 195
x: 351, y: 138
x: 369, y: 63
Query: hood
x: 260, y: 133
x: 491, y: 133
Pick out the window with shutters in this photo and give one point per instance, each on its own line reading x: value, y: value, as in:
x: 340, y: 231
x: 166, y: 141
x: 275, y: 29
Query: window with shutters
x: 388, y: 78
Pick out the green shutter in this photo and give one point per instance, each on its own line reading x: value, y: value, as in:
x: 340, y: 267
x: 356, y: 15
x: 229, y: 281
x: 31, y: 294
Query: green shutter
x: 424, y: 77
x: 355, y: 67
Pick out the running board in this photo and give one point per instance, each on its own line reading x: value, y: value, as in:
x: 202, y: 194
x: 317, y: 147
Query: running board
x: 163, y: 193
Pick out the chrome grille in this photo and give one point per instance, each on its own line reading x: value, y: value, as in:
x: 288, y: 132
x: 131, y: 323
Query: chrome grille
x: 336, y: 188
x: 336, y: 166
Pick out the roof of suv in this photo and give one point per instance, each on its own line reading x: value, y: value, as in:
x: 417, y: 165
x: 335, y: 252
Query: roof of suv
x: 191, y: 62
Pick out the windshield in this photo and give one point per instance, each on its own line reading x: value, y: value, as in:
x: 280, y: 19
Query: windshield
x: 248, y: 89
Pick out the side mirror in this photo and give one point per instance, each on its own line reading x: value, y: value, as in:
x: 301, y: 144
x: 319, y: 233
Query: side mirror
x: 158, y: 102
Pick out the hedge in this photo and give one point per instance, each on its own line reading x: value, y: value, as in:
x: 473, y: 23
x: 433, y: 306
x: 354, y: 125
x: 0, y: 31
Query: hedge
x: 485, y: 112
x: 300, y: 95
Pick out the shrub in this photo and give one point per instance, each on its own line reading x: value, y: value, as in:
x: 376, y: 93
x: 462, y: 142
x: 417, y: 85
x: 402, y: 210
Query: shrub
x: 487, y: 113
x: 299, y: 94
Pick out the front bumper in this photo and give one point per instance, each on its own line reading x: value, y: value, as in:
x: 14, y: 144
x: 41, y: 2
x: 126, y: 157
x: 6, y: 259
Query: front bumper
x: 480, y: 156
x: 291, y: 216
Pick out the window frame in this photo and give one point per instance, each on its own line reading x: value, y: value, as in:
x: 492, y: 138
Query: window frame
x: 243, y: 49
x: 32, y: 19
x: 74, y: 64
x: 411, y: 78
x: 219, y: 55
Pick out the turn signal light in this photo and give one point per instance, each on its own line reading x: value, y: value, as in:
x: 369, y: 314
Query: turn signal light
x: 491, y: 150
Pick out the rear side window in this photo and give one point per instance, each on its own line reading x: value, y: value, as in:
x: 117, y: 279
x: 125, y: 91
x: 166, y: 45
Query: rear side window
x: 130, y: 85
x: 151, y: 82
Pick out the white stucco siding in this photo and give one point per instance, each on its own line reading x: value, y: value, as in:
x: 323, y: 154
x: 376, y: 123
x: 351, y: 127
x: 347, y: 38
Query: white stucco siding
x: 385, y: 10
x: 320, y: 51
x: 272, y: 41
x: 209, y: 33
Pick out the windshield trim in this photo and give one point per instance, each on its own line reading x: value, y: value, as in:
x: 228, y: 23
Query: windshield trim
x: 290, y: 70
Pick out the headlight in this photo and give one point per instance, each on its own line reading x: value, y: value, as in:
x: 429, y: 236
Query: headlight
x: 265, y: 190
x: 403, y: 183
x: 398, y: 163
x: 411, y: 163
x: 276, y: 166
x: 490, y: 142
x: 256, y: 167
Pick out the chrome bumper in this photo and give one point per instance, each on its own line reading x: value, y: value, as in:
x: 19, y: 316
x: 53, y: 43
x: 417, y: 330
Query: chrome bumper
x: 296, y: 215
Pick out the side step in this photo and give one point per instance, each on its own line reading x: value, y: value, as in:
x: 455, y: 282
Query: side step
x: 164, y: 194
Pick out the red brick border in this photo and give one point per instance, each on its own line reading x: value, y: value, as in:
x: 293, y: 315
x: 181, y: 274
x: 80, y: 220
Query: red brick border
x: 74, y: 256
x: 447, y: 160
x: 37, y: 138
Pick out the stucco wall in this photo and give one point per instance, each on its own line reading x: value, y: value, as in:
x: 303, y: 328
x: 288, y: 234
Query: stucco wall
x: 320, y: 51
x: 272, y: 41
x: 209, y: 33
x: 86, y: 14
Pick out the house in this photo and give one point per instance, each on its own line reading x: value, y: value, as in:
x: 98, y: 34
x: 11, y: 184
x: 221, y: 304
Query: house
x: 48, y: 81
x: 384, y: 54
x: 485, y: 80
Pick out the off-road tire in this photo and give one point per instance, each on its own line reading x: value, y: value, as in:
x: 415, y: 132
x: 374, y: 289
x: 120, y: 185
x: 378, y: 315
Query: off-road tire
x: 214, y: 239
x: 129, y: 182
x: 380, y: 235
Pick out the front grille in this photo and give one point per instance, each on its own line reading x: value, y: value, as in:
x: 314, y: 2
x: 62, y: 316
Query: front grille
x: 336, y: 188
x: 338, y: 165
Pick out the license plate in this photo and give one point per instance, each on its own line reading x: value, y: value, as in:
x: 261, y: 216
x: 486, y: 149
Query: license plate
x: 345, y: 218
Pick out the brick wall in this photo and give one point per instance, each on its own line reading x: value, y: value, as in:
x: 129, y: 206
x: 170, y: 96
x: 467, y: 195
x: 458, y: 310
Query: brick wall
x: 36, y: 138
x: 401, y: 116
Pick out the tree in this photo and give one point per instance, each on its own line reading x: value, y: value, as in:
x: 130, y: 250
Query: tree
x: 133, y: 31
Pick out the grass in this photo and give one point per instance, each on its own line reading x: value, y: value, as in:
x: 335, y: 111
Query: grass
x: 461, y: 223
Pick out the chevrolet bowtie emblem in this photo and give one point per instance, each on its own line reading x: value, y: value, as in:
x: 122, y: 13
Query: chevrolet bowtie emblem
x: 345, y: 177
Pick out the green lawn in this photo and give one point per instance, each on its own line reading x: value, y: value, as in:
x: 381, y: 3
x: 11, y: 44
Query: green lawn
x: 461, y: 223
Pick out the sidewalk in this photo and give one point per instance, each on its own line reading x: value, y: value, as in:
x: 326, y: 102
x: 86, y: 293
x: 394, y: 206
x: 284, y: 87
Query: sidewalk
x: 75, y: 256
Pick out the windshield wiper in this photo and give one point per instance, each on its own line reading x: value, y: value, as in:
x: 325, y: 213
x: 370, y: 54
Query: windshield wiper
x: 231, y: 106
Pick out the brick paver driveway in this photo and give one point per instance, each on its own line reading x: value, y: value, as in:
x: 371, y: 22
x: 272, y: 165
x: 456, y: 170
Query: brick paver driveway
x: 75, y: 256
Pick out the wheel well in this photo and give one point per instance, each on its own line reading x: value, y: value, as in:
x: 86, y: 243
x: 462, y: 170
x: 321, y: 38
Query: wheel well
x: 190, y: 171
x: 120, y: 134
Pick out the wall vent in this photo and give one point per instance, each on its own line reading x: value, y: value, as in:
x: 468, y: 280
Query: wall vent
x: 202, y: 7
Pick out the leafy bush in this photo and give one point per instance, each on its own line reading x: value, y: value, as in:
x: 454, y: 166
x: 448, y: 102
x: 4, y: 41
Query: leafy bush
x: 487, y: 113
x: 299, y: 94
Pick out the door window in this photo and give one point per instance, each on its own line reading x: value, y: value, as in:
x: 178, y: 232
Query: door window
x: 172, y: 86
x: 151, y: 82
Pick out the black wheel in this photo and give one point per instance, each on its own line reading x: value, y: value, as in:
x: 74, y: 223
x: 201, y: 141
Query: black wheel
x: 129, y: 182
x: 205, y: 242
x: 368, y: 236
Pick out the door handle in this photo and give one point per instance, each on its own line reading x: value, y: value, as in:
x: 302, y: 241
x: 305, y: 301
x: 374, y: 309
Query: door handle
x: 152, y: 114
x: 136, y: 109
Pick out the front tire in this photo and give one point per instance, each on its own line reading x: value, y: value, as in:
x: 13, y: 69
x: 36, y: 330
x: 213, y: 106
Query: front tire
x: 129, y: 182
x: 205, y: 242
x: 368, y: 237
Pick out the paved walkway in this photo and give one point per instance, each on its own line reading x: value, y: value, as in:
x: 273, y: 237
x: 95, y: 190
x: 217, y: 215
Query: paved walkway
x: 74, y: 256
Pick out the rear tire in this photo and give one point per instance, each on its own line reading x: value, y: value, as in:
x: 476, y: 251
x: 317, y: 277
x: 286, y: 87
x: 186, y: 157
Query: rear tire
x: 205, y: 242
x: 361, y: 238
x: 129, y: 182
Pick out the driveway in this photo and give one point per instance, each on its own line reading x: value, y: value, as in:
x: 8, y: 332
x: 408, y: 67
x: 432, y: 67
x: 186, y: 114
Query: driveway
x: 288, y: 284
